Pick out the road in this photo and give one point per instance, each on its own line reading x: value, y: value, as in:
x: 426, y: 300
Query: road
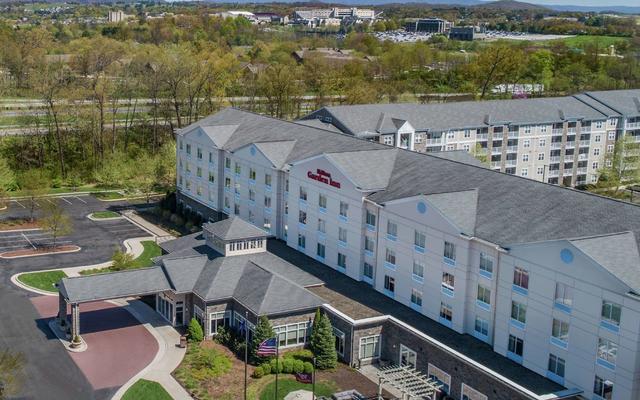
x: 50, y: 372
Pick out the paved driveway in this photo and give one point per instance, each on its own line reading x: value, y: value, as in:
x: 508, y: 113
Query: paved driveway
x: 50, y: 372
x: 118, y: 346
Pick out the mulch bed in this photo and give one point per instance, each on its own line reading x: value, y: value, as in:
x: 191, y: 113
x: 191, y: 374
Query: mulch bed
x: 17, y: 224
x: 39, y: 251
x: 346, y: 378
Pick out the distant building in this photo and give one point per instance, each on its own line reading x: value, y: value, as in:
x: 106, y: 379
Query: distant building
x: 332, y: 56
x: 117, y: 16
x: 235, y: 14
x: 333, y: 16
x: 462, y: 33
x: 430, y: 25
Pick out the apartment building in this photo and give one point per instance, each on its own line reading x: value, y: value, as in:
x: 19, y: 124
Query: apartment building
x: 562, y: 140
x: 510, y: 281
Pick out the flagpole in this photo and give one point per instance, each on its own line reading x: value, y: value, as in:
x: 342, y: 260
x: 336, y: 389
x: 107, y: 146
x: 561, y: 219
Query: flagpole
x: 277, y: 366
x: 246, y: 346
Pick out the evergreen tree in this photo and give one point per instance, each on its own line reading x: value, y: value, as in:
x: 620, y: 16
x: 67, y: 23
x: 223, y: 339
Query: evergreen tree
x: 263, y: 332
x: 194, y: 331
x: 314, y: 327
x: 323, y: 344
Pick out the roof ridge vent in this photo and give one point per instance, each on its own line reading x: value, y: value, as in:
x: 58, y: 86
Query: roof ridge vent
x: 637, y: 103
x: 561, y: 114
x: 380, y: 122
x: 487, y: 119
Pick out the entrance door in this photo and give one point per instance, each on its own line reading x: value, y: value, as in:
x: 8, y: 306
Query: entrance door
x: 179, y: 313
x: 407, y: 357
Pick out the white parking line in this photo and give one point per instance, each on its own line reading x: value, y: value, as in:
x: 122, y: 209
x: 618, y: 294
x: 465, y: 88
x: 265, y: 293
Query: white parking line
x: 20, y: 204
x: 27, y: 239
x: 49, y: 200
x: 66, y: 200
x: 76, y: 197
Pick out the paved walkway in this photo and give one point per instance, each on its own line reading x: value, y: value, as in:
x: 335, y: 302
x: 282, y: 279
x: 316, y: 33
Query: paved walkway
x: 169, y: 354
x: 146, y: 225
x: 371, y: 372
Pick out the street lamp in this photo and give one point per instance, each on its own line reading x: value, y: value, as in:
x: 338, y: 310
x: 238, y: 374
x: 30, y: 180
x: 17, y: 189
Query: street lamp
x: 313, y: 380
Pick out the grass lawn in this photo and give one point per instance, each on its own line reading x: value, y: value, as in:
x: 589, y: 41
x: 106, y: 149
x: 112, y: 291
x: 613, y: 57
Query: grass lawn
x: 43, y: 280
x: 288, y: 385
x: 204, y: 371
x: 105, y: 214
x: 146, y: 390
x: 601, y: 41
x: 109, y: 195
x: 151, y: 250
x: 64, y: 189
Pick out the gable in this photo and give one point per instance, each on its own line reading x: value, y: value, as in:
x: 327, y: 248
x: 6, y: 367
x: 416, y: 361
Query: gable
x: 422, y: 211
x: 253, y: 155
x: 321, y: 172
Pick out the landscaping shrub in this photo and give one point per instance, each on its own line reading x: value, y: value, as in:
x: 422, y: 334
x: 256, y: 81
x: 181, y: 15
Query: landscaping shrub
x: 298, y: 366
x: 300, y: 354
x: 194, y: 331
x: 279, y: 366
x: 258, y: 372
x: 288, y: 365
x: 188, y: 225
x: 173, y: 218
x: 308, y: 368
x: 266, y: 367
x: 166, y: 214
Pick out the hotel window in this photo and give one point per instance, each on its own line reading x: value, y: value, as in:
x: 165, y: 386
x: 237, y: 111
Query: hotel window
x: 344, y: 208
x: 180, y: 144
x: 252, y: 195
x: 521, y: 278
x: 449, y: 251
x: 392, y: 229
x: 540, y: 170
x: 556, y: 365
x: 340, y: 341
x: 291, y: 334
x: 607, y: 350
x: 389, y: 284
x: 286, y: 207
x: 482, y: 326
x: 199, y: 153
x: 267, y: 201
x: 598, y: 124
x: 188, y: 167
x: 370, y: 347
x: 418, y: 270
x: 467, y: 133
x: 227, y: 163
x: 302, y: 241
x: 237, y: 169
x: 597, y: 139
x: 543, y: 129
x: 610, y: 148
x: 342, y: 260
x: 524, y: 172
x: 525, y: 157
x: 596, y: 152
x: 603, y: 388
x: 484, y: 294
x: 367, y: 270
x: 303, y: 193
x: 199, y: 172
x: 611, y: 312
x: 267, y: 180
x: 212, y: 177
x: 369, y: 243
x: 342, y: 235
x: 560, y: 330
x: 199, y: 190
x: 322, y: 201
x: 526, y: 143
x: 210, y: 157
x: 227, y: 204
x: 516, y: 345
x: 540, y: 156
x: 469, y: 393
x: 321, y: 250
x: 594, y: 165
x: 218, y: 320
x: 564, y: 295
x: 227, y: 183
x: 420, y: 239
x: 188, y: 185
x: 519, y: 312
x: 446, y: 312
x: 371, y: 218
x: 416, y: 297
x: 302, y: 217
x: 267, y: 225
x: 486, y: 265
x: 286, y: 185
x: 442, y: 378
x: 188, y: 149
x: 390, y: 257
x: 322, y: 226
x: 448, y: 281
x: 388, y: 140
x: 180, y: 180
x: 252, y: 174
x: 236, y: 209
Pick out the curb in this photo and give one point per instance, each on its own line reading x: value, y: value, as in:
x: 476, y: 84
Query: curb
x: 77, y: 249
x: 92, y: 218
x: 14, y: 279
x: 53, y: 325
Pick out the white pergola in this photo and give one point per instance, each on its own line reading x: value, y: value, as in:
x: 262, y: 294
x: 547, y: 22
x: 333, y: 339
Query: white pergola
x: 412, y: 384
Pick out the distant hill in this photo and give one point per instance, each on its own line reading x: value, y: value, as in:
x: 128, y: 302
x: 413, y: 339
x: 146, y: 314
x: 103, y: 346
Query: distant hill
x: 511, y: 5
x: 612, y: 9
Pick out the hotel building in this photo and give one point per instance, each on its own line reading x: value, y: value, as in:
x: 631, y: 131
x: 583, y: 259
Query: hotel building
x: 503, y: 286
x: 560, y: 140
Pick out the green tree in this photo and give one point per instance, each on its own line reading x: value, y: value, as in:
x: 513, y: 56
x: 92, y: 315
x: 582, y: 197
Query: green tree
x: 11, y: 370
x: 121, y: 260
x: 263, y: 331
x: 7, y: 180
x: 622, y: 166
x: 33, y: 184
x: 323, y: 344
x: 194, y: 331
x: 55, y: 219
x: 314, y: 327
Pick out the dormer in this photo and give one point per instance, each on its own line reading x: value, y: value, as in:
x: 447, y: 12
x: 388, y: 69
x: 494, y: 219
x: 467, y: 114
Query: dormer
x: 234, y: 236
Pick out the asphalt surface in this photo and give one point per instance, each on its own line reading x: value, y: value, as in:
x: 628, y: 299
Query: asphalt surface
x: 50, y: 373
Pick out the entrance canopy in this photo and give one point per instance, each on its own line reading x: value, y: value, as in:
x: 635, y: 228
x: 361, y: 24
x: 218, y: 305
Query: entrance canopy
x: 412, y: 384
x: 137, y: 282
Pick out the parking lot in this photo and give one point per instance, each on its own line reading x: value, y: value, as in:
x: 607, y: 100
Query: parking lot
x: 31, y: 238
x: 69, y: 200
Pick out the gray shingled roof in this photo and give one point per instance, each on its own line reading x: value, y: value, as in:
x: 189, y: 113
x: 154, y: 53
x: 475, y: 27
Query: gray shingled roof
x: 367, y: 169
x: 461, y: 208
x: 233, y: 228
x: 459, y: 115
x: 625, y: 102
x: 316, y: 123
x: 460, y: 156
x: 276, y: 152
x: 617, y: 253
x: 114, y: 285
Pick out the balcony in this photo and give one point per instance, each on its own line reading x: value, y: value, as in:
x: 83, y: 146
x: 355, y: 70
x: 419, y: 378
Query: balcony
x: 584, y: 143
x: 495, y: 164
x: 511, y: 163
x: 512, y: 149
x: 496, y: 150
x: 585, y: 129
x: 571, y: 131
x: 553, y: 173
x: 513, y: 134
x: 569, y: 157
x: 554, y: 159
x: 556, y: 145
x: 434, y: 141
x: 582, y: 171
x: 557, y: 132
x: 632, y: 125
x: 583, y: 156
x: 482, y: 136
x: 568, y: 172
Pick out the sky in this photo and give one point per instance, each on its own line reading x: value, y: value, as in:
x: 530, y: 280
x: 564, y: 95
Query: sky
x: 590, y: 3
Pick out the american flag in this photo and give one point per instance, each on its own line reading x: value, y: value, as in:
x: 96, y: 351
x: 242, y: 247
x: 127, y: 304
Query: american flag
x: 267, y: 348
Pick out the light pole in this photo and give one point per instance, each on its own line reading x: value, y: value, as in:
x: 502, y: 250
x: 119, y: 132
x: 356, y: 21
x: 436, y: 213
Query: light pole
x: 313, y: 380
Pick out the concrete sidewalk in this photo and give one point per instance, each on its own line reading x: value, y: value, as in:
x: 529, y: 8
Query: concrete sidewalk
x: 169, y: 354
x: 147, y: 226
